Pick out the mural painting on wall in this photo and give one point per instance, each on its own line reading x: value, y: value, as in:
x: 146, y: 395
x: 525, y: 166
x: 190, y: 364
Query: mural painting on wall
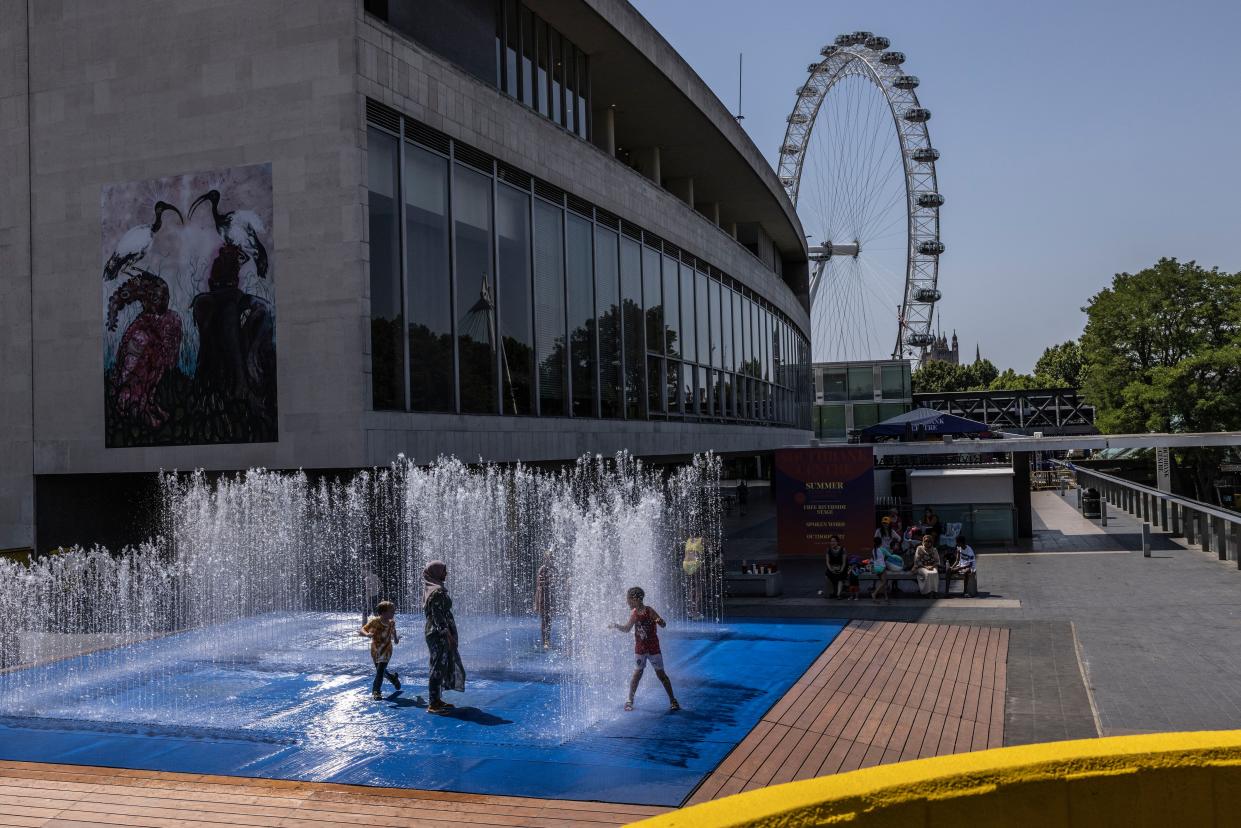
x: 189, y: 337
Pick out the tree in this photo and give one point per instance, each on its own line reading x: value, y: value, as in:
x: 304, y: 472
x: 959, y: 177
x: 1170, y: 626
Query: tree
x: 980, y: 375
x: 1010, y: 380
x: 1060, y: 366
x: 1162, y: 352
x: 937, y: 377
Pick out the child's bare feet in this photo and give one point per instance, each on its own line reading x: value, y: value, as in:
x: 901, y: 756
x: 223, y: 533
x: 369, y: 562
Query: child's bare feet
x: 673, y: 706
x: 629, y: 705
x: 377, y: 696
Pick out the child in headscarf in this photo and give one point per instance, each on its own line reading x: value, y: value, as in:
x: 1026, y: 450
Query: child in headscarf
x: 447, y: 672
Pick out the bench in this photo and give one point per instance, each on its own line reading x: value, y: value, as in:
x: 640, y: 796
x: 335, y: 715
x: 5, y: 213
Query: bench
x: 768, y: 585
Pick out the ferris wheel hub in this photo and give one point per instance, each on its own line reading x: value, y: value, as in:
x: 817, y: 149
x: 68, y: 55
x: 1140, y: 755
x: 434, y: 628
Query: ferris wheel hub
x: 823, y: 252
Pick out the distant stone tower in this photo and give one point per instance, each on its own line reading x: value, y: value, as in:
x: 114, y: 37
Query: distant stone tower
x: 941, y: 351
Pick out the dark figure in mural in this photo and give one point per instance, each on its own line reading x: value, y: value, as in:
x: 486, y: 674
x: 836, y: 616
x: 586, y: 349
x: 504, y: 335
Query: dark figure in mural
x: 135, y: 243
x: 236, y: 341
x: 240, y: 228
x: 148, y: 349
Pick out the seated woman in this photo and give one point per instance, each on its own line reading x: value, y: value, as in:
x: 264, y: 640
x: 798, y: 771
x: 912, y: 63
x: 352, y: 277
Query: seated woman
x: 926, y: 567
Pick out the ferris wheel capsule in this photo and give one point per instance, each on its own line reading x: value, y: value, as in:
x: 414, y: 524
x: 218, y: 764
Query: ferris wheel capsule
x: 799, y: 118
x: 892, y: 58
x: 917, y: 115
x: 930, y: 200
x: 829, y: 50
x: 920, y: 340
x: 790, y: 149
x: 931, y: 248
x: 808, y: 91
x: 877, y: 42
x: 927, y: 295
x: 925, y: 155
x: 905, y: 82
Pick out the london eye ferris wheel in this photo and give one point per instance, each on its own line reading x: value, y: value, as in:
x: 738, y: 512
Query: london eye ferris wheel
x: 858, y: 163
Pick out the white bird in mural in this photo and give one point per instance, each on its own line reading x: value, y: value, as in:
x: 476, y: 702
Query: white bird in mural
x: 237, y: 227
x: 136, y: 241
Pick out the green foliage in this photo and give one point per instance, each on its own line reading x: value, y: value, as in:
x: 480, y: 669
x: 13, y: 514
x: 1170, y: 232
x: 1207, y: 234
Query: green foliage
x: 981, y: 374
x: 939, y: 377
x: 1060, y: 366
x: 1010, y: 380
x: 1159, y: 348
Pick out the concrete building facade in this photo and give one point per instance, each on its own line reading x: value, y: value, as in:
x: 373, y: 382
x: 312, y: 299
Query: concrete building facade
x: 92, y: 94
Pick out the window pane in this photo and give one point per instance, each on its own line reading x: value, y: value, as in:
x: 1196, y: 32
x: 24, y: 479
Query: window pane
x: 765, y: 316
x: 704, y: 391
x: 655, y: 385
x: 865, y: 415
x: 516, y: 303
x: 890, y: 410
x: 387, y: 321
x: 430, y: 282
x: 862, y: 383
x: 581, y: 285
x: 569, y: 59
x: 543, y: 76
x: 831, y: 421
x: 652, y: 295
x: 747, y: 317
x: 673, y: 387
x: 608, y: 314
x: 635, y: 344
x: 528, y: 60
x: 716, y: 339
x: 549, y: 319
x: 702, y: 317
x: 835, y: 385
x: 583, y: 95
x: 476, y: 308
x: 557, y: 73
x: 738, y: 334
x: 726, y: 327
x: 689, y: 341
x: 672, y: 308
x: 894, y: 382
x: 512, y: 28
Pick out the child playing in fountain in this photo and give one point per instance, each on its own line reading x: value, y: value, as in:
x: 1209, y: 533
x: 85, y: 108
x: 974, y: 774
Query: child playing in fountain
x: 643, y: 620
x: 380, y: 628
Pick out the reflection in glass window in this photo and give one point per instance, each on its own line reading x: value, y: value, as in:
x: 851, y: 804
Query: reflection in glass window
x: 556, y: 64
x: 726, y: 327
x: 834, y: 384
x: 702, y: 317
x: 543, y: 76
x: 634, y: 326
x: 861, y: 382
x: 672, y: 309
x: 655, y: 385
x: 431, y: 386
x: 528, y: 60
x: 738, y: 334
x: 387, y: 321
x: 717, y: 340
x: 476, y: 307
x: 583, y: 91
x: 549, y: 318
x: 895, y: 382
x: 581, y: 285
x: 673, y: 393
x: 689, y: 341
x: 608, y: 316
x: 512, y: 31
x: 652, y: 295
x: 516, y: 304
x: 569, y: 59
x: 865, y: 415
x: 704, y: 392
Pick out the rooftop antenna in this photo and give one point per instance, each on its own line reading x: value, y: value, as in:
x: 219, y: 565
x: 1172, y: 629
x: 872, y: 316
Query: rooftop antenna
x: 740, y: 60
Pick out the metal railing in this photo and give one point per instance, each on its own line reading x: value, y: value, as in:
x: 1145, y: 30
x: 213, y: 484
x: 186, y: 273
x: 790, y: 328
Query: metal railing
x: 1212, y: 528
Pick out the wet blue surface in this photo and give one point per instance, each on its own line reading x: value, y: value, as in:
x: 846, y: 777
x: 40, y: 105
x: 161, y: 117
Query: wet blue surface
x: 303, y: 711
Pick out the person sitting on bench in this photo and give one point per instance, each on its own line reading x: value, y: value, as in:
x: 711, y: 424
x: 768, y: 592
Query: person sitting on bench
x: 926, y: 566
x: 966, y: 567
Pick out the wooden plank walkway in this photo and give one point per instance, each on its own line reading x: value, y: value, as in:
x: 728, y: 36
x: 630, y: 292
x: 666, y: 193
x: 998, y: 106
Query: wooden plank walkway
x: 71, y: 796
x: 882, y: 692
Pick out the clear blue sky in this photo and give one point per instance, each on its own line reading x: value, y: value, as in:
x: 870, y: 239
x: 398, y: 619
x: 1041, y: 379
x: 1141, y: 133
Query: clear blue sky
x: 1078, y: 139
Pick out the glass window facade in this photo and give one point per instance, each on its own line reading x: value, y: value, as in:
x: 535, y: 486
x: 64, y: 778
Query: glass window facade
x: 494, y: 294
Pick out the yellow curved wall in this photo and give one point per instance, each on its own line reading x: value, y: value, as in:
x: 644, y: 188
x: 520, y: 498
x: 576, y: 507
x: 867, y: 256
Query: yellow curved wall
x: 1183, y: 780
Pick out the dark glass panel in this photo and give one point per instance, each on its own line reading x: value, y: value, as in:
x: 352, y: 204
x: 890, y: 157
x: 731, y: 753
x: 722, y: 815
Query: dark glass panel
x: 655, y: 385
x: 672, y: 308
x: 634, y: 326
x: 579, y: 276
x: 556, y: 65
x: 689, y: 341
x: 549, y: 319
x: 528, y: 58
x: 652, y: 295
x: 387, y: 321
x: 583, y: 95
x: 544, y: 75
x: 608, y: 314
x: 476, y: 307
x: 429, y: 278
x: 705, y: 405
x: 569, y: 59
x: 726, y: 329
x: 675, y: 395
x: 516, y: 303
x: 717, y: 340
x: 512, y: 45
x: 738, y: 334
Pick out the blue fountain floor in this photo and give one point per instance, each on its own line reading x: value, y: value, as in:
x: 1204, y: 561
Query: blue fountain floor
x: 305, y: 713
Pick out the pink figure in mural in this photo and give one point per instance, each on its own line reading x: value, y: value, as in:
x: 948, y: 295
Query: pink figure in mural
x: 149, y: 347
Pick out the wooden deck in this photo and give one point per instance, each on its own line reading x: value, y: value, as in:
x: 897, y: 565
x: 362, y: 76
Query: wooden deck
x: 882, y: 692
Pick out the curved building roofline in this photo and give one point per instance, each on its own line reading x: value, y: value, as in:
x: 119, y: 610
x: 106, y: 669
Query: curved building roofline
x: 658, y: 100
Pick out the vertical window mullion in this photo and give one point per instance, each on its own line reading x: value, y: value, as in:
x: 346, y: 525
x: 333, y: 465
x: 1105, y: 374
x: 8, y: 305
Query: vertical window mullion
x: 452, y: 279
x: 399, y: 195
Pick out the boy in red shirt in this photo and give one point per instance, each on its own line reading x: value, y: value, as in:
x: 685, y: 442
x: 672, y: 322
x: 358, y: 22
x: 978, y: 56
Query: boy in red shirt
x: 643, y: 621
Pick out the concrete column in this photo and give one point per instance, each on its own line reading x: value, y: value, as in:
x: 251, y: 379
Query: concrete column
x: 1204, y: 533
x: 1234, y: 529
x: 732, y: 229
x: 1191, y: 527
x: 1221, y: 543
x: 714, y: 212
x: 608, y: 122
x: 1163, y: 514
x: 1176, y: 519
x: 656, y: 173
